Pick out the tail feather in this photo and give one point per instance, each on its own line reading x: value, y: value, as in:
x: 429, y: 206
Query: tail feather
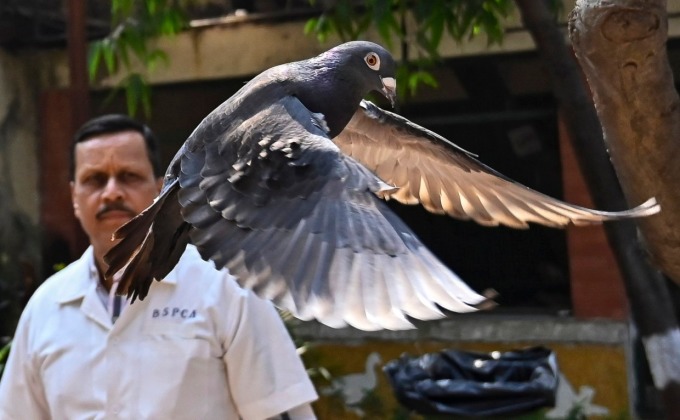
x: 132, y: 235
x: 136, y: 279
x: 147, y: 250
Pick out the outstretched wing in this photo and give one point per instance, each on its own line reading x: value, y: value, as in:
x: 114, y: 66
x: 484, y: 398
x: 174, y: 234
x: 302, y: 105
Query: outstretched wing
x: 430, y: 170
x: 293, y: 218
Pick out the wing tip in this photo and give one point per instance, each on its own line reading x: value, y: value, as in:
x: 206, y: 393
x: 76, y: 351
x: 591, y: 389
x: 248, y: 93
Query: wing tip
x: 488, y: 302
x: 648, y: 208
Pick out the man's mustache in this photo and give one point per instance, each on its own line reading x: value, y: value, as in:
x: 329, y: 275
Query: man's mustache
x: 115, y: 206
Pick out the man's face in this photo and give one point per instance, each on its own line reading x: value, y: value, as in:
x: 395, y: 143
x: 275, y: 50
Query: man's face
x: 113, y: 182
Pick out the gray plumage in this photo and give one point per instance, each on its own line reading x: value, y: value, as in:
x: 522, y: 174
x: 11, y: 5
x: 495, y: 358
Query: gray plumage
x: 283, y: 182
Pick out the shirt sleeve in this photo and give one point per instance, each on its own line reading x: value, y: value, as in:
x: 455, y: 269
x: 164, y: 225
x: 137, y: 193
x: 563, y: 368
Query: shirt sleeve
x: 266, y: 375
x: 21, y: 393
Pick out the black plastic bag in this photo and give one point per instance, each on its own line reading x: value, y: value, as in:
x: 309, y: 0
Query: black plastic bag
x: 475, y: 384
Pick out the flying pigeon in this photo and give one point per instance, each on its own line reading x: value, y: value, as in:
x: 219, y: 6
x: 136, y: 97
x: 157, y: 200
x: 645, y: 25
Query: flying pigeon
x: 284, y: 183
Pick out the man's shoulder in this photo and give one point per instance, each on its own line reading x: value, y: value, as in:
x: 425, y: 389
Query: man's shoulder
x: 195, y: 272
x: 191, y: 262
x: 54, y: 285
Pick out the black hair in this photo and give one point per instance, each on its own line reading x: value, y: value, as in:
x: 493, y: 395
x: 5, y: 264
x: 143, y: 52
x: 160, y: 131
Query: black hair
x: 114, y: 123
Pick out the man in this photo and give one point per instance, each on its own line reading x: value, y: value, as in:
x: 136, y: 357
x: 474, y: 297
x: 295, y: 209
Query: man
x: 199, y: 347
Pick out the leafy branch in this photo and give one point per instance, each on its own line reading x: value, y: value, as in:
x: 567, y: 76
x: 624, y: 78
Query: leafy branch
x: 133, y: 24
x: 422, y: 24
x: 4, y: 354
x: 419, y: 24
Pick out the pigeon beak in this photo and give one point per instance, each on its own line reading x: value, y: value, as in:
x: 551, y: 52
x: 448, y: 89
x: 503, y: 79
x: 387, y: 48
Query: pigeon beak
x: 389, y: 88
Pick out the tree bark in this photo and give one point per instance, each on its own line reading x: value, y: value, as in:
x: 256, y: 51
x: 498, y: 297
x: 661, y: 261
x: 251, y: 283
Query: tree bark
x: 621, y: 47
x: 651, y: 305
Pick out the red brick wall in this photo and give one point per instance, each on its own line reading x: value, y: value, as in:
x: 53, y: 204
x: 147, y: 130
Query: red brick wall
x: 596, y: 285
x: 63, y: 239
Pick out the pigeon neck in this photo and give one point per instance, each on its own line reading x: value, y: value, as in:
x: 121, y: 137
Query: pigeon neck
x: 334, y: 97
x: 338, y: 111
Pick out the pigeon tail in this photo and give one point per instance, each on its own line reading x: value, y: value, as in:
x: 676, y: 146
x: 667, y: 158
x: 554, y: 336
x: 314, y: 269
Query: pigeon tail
x: 149, y: 250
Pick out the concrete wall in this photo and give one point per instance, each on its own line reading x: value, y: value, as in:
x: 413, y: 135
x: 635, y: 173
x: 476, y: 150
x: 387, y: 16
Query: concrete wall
x: 592, y: 357
x: 18, y: 133
x: 19, y: 201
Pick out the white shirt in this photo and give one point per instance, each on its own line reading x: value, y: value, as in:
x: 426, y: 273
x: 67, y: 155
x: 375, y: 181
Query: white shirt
x: 198, y: 347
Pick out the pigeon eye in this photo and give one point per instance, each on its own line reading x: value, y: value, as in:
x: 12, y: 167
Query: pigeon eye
x: 372, y: 60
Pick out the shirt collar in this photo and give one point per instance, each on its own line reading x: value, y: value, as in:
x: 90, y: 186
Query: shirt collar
x: 83, y: 273
x: 81, y: 276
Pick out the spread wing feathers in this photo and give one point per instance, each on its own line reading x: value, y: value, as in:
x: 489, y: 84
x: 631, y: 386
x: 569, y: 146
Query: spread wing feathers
x: 299, y: 223
x: 155, y: 247
x: 350, y: 261
x: 428, y: 169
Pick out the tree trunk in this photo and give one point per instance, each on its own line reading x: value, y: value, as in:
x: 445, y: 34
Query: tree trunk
x: 651, y: 305
x: 621, y: 47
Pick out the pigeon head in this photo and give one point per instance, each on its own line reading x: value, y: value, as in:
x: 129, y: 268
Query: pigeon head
x: 371, y: 64
x: 335, y: 82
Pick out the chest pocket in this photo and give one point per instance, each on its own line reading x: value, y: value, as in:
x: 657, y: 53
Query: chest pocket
x: 185, y: 367
x: 190, y: 339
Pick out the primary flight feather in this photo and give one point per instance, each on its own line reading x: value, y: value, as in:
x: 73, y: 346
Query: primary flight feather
x: 284, y: 184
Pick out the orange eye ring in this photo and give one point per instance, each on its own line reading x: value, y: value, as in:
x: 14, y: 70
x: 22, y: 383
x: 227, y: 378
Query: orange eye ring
x: 372, y: 61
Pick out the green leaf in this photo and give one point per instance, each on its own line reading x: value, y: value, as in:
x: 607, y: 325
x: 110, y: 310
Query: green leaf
x: 155, y: 57
x: 109, y: 52
x: 4, y: 354
x: 311, y: 25
x: 181, y: 20
x: 384, y: 17
x: 122, y: 7
x: 146, y: 98
x: 171, y: 22
x: 151, y: 7
x: 323, y: 28
x: 112, y: 94
x: 135, y: 40
x: 94, y: 57
x: 436, y: 30
x: 403, y: 89
x: 135, y: 90
x: 426, y: 78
